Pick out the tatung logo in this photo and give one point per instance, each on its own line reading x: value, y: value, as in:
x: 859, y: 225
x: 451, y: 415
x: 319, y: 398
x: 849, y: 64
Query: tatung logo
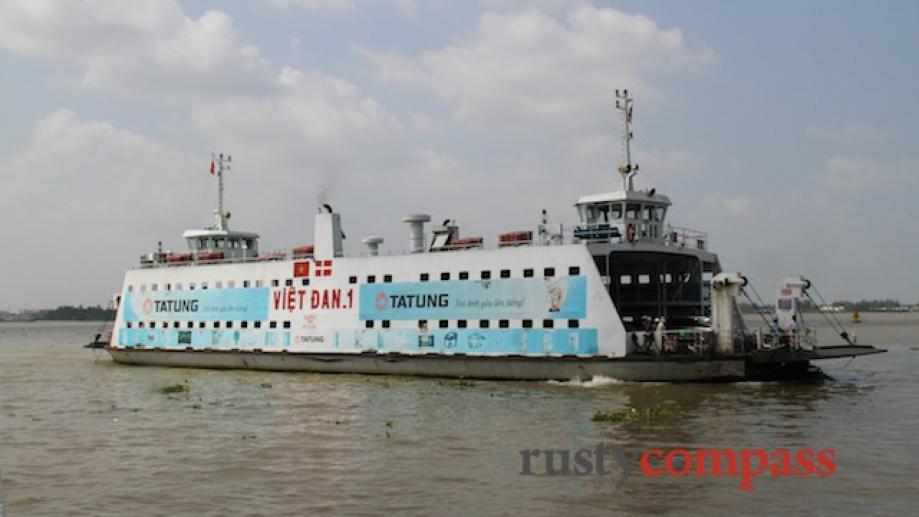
x: 381, y: 302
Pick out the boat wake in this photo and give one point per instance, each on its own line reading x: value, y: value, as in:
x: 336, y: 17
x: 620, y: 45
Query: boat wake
x: 596, y: 381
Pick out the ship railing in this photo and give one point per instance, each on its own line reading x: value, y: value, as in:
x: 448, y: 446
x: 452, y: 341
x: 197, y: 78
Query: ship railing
x: 698, y: 341
x: 681, y: 237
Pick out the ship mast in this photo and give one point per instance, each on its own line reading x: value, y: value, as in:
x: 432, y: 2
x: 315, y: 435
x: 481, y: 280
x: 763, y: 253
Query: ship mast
x: 223, y: 164
x: 626, y: 170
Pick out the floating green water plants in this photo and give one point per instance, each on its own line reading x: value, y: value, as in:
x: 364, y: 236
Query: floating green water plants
x: 173, y: 388
x: 635, y: 415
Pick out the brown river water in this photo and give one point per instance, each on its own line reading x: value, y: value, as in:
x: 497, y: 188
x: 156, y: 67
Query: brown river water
x: 80, y: 435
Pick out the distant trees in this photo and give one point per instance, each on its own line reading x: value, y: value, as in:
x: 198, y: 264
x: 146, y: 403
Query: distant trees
x: 847, y: 306
x: 78, y: 313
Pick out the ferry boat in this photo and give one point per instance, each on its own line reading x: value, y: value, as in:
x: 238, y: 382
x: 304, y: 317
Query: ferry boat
x: 621, y: 293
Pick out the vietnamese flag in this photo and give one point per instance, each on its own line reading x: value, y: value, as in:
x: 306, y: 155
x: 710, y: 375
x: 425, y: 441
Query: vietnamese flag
x: 301, y: 269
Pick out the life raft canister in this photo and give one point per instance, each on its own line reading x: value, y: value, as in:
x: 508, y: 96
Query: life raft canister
x: 630, y: 232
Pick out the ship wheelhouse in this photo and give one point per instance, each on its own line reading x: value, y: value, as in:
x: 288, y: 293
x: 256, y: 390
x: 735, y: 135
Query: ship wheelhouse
x: 650, y: 268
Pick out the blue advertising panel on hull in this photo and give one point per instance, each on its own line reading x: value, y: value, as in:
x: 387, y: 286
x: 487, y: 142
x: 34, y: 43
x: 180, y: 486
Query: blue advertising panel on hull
x: 217, y: 304
x: 517, y: 298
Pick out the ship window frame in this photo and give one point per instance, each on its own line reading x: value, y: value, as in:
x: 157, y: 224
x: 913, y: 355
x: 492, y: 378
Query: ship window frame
x: 189, y: 324
x: 424, y: 277
x: 143, y: 288
x: 203, y: 286
x: 218, y: 284
x: 548, y: 272
x: 274, y: 282
x: 443, y: 324
x: 463, y: 275
x: 286, y: 324
x: 352, y: 279
x: 505, y: 273
x: 272, y: 324
x: 484, y: 324
x: 527, y: 323
x: 191, y: 286
x: 153, y: 287
x: 140, y: 324
x: 625, y: 279
x: 371, y: 279
x: 573, y: 324
x: 633, y: 211
x: 444, y: 276
x: 175, y: 324
x: 288, y: 282
x: 130, y: 288
x: 168, y: 286
x: 615, y: 210
x: 165, y: 325
x: 245, y: 284
x: 528, y: 272
x: 304, y: 282
x: 387, y: 279
x: 127, y: 324
x: 385, y: 324
x: 231, y: 284
x: 178, y: 286
x: 422, y: 324
x: 259, y: 283
x: 368, y: 324
x: 548, y: 323
x: 644, y: 279
x: 257, y: 324
x: 574, y: 270
x: 243, y: 324
x: 229, y: 325
x: 216, y: 324
x: 461, y: 324
x: 503, y: 324
x: 485, y: 274
x: 202, y: 324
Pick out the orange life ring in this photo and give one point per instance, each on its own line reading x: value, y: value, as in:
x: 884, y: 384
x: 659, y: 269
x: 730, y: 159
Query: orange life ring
x: 630, y: 233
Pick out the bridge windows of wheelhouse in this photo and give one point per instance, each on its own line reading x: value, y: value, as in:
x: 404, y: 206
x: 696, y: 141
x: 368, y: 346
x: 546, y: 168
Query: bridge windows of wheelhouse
x: 621, y: 220
x: 646, y: 285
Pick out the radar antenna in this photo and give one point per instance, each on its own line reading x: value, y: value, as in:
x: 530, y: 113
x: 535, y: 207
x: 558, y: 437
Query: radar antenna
x: 222, y: 164
x: 627, y: 170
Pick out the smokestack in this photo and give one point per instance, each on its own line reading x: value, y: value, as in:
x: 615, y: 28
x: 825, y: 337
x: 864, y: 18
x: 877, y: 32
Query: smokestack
x: 373, y: 244
x: 416, y: 231
x: 328, y: 235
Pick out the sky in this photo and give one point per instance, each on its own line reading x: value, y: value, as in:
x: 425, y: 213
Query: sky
x: 784, y: 129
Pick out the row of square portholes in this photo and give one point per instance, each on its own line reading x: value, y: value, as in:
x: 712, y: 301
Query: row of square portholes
x: 207, y: 324
x: 482, y: 324
x: 422, y: 324
x: 289, y: 282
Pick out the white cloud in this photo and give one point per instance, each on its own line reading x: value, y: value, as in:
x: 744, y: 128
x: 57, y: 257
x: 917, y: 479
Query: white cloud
x: 137, y: 46
x: 313, y: 119
x: 406, y: 6
x: 851, y: 133
x: 524, y: 70
x: 730, y: 205
x: 846, y: 173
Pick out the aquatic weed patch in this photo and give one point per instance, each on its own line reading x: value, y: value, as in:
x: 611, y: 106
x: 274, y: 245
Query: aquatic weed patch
x: 173, y: 388
x: 651, y: 414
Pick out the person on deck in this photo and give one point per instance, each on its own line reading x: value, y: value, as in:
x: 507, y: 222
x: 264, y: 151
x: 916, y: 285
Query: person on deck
x: 793, y: 330
x: 777, y: 334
